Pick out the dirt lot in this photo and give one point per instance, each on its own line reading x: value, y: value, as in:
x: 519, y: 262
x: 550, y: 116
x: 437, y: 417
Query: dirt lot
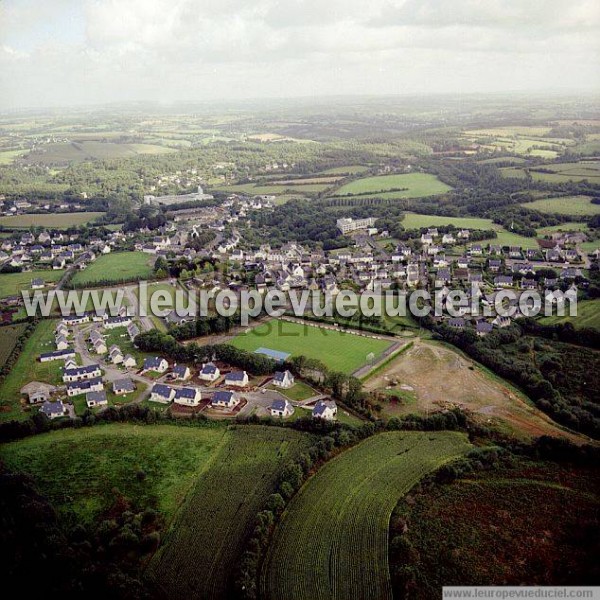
x: 430, y: 376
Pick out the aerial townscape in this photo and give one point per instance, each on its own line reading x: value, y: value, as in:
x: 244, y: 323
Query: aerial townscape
x: 303, y: 452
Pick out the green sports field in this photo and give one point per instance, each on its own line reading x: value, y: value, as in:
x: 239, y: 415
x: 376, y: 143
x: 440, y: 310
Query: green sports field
x: 409, y: 185
x: 416, y: 221
x: 116, y: 267
x: 332, y: 542
x: 340, y: 351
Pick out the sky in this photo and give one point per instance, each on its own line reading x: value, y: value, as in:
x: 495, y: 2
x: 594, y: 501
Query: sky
x: 90, y: 52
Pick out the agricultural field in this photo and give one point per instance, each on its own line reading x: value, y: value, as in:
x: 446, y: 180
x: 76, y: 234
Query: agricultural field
x: 508, y: 238
x: 571, y: 226
x: 508, y: 526
x: 11, y: 284
x: 332, y: 541
x: 275, y: 188
x: 565, y: 205
x: 410, y: 185
x: 99, y: 460
x: 339, y: 351
x: 116, y: 267
x: 207, y: 536
x: 349, y: 170
x: 588, y: 315
x: 73, y: 152
x: 52, y: 221
x: 559, y: 172
x: 408, y: 387
x: 9, y: 156
x: 416, y: 221
x: 28, y: 368
x: 9, y: 335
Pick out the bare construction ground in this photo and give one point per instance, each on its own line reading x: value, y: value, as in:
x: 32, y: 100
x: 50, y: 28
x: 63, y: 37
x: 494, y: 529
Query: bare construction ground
x: 430, y: 376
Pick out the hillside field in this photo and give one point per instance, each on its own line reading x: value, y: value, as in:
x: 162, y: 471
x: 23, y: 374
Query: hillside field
x: 559, y: 172
x: 28, y: 368
x: 115, y: 267
x: 409, y: 185
x: 588, y: 315
x: 416, y: 221
x: 566, y: 205
x: 52, y: 221
x: 8, y: 339
x: 332, y: 542
x: 11, y: 284
x: 206, y: 538
x: 338, y: 350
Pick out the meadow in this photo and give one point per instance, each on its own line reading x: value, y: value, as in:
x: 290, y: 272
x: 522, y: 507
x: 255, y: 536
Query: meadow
x: 205, y: 540
x: 339, y: 351
x: 9, y: 335
x: 28, y: 368
x: 565, y: 205
x: 559, y: 172
x: 332, y: 542
x: 52, y: 221
x: 99, y: 463
x: 115, y: 267
x: 588, y: 315
x: 255, y: 189
x: 409, y: 185
x: 11, y: 284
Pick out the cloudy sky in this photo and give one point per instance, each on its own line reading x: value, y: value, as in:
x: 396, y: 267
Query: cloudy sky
x: 71, y: 52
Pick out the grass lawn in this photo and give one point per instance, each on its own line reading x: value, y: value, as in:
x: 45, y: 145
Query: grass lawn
x: 340, y: 351
x: 588, y: 315
x: 54, y: 221
x: 298, y: 392
x: 80, y: 470
x: 416, y: 221
x: 169, y: 295
x: 567, y: 205
x: 11, y: 284
x: 116, y: 267
x: 119, y: 336
x: 28, y: 368
x: 409, y: 185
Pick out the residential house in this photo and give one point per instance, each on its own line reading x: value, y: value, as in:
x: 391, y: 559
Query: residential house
x: 223, y: 399
x: 209, y: 372
x: 237, y: 378
x: 156, y: 363
x: 123, y: 386
x: 53, y: 410
x: 57, y: 355
x: 76, y: 388
x: 188, y: 396
x: 325, y: 409
x: 281, y: 408
x: 93, y: 399
x: 81, y: 373
x: 283, y: 379
x: 162, y: 393
x: 181, y: 372
x: 36, y: 391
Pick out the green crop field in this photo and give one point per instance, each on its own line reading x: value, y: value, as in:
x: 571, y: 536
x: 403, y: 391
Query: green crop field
x: 349, y: 170
x: 588, y: 315
x: 416, y: 221
x: 507, y: 238
x: 275, y: 188
x: 52, y: 221
x: 205, y: 541
x: 577, y: 226
x: 338, y: 350
x: 566, y: 205
x: 559, y: 172
x: 28, y: 368
x: 332, y: 542
x: 8, y: 339
x: 79, y: 470
x: 12, y: 283
x: 410, y: 185
x: 117, y: 266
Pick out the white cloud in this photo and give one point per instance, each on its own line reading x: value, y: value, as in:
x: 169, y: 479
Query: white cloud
x: 77, y: 51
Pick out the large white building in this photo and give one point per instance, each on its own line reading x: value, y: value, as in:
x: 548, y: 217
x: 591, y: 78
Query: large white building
x: 177, y: 199
x: 346, y: 224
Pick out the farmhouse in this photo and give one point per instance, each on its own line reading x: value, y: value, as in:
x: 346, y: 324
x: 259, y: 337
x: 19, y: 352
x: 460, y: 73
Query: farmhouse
x: 225, y: 399
x: 283, y: 379
x: 81, y: 373
x: 237, y: 378
x: 53, y: 410
x: 157, y: 364
x: 209, y: 372
x: 325, y: 409
x: 76, y: 388
x: 96, y: 399
x: 281, y: 408
x: 188, y: 396
x: 162, y: 393
x: 123, y: 386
